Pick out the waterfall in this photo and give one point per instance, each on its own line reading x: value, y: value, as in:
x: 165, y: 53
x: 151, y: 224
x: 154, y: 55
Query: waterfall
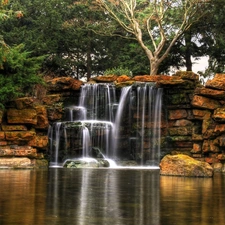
x: 86, y: 142
x: 127, y: 128
x: 117, y: 124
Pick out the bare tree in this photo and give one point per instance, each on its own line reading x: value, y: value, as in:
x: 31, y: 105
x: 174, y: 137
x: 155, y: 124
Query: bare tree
x: 162, y: 22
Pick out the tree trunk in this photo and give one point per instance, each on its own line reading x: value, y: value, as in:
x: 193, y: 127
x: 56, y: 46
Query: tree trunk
x: 154, y: 65
x: 188, y: 61
x: 89, y: 62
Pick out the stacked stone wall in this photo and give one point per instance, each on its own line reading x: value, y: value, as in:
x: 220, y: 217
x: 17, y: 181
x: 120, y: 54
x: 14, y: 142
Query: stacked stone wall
x: 196, y: 121
x: 24, y: 124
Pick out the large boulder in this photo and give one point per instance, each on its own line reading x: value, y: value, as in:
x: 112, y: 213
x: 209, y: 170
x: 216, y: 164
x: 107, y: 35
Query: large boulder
x: 184, y: 165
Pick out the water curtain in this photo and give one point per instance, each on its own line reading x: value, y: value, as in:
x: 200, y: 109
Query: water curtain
x: 120, y: 124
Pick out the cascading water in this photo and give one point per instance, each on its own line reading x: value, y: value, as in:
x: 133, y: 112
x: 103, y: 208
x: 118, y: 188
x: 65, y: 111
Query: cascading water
x: 101, y: 126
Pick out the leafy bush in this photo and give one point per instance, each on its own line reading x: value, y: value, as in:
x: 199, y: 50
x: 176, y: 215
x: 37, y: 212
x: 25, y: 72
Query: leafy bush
x: 118, y: 71
x: 18, y: 73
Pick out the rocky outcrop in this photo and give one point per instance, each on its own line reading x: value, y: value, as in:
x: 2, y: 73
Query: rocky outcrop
x: 183, y: 165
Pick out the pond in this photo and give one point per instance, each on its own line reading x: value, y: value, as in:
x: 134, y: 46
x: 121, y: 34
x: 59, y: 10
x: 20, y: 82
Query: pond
x: 109, y: 196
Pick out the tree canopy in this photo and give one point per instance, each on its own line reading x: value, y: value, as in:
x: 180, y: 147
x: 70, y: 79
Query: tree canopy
x: 82, y: 38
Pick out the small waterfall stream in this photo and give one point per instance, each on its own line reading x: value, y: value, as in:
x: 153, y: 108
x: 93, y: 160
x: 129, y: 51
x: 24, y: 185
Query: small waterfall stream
x: 119, y: 125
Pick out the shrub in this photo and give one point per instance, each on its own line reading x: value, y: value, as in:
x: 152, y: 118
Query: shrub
x: 118, y: 71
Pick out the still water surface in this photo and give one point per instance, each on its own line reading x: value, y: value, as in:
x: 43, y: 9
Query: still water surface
x: 109, y: 196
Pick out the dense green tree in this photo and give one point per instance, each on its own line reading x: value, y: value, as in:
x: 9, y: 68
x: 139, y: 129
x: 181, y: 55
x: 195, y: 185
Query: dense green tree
x: 213, y: 37
x: 18, y: 73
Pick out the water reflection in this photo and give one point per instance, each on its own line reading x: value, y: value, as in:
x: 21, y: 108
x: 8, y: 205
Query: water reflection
x: 195, y: 201
x: 104, y: 197
x: 109, y: 196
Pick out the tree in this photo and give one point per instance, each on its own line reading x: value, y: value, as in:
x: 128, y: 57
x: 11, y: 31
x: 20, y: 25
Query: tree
x: 164, y: 21
x: 18, y: 73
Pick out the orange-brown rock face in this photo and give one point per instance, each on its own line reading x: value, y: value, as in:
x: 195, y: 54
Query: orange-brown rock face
x: 19, y: 135
x: 18, y: 151
x: 177, y: 114
x: 39, y: 142
x: 42, y: 117
x: 13, y: 127
x: 205, y: 103
x: 217, y: 82
x: 211, y: 93
x: 166, y: 81
x: 63, y: 84
x: 219, y: 115
x: 105, y: 79
x: 123, y: 78
x: 183, y: 165
x: 23, y: 116
x: 22, y: 103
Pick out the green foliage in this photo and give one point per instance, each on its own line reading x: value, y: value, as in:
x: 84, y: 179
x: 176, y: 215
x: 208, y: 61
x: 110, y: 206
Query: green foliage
x: 18, y: 73
x: 118, y: 71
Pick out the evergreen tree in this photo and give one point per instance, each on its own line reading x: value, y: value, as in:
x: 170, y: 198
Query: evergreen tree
x: 18, y: 73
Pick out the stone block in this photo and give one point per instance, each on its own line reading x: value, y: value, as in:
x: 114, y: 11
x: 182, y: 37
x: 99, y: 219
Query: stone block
x: 123, y: 78
x: 205, y: 103
x: 18, y: 151
x: 39, y: 142
x: 20, y: 162
x: 14, y: 127
x: 201, y: 114
x: 177, y: 114
x: 188, y: 75
x: 211, y: 93
x: 23, y: 116
x: 19, y: 135
x: 219, y: 129
x: 217, y: 82
x: 219, y: 115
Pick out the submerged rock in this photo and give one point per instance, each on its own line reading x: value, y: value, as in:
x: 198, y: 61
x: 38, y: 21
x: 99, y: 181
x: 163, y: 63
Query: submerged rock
x: 183, y: 165
x: 86, y: 163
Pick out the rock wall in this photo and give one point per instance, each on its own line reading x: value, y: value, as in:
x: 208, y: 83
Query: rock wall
x: 193, y: 118
x: 25, y: 122
x: 196, y: 120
